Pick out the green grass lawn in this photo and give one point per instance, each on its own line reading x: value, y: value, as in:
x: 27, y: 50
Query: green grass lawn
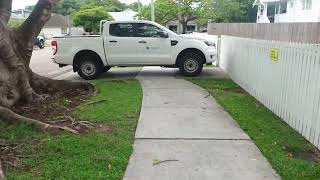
x: 86, y: 156
x: 275, y: 139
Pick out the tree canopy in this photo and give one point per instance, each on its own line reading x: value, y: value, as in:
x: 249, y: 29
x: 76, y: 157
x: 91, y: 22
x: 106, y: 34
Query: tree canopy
x: 89, y: 17
x: 165, y: 11
x: 69, y: 7
x: 201, y: 10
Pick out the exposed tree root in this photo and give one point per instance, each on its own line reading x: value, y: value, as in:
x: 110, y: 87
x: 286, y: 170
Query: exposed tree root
x: 11, y: 117
x: 2, y: 177
x: 44, y: 85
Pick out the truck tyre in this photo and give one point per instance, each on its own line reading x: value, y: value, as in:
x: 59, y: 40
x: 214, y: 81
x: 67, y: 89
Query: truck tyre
x: 191, y: 64
x: 106, y: 68
x: 89, y: 68
x: 41, y: 44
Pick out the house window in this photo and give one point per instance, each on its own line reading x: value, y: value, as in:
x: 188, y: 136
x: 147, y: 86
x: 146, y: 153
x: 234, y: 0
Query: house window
x: 191, y: 28
x: 283, y: 7
x: 173, y: 28
x: 306, y: 4
x: 64, y: 31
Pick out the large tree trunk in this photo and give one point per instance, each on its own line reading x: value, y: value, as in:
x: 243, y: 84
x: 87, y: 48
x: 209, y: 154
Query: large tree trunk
x: 18, y: 84
x: 184, y: 27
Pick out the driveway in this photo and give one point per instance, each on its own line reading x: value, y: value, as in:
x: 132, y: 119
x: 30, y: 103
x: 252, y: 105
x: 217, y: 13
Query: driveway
x: 184, y: 134
x: 42, y: 64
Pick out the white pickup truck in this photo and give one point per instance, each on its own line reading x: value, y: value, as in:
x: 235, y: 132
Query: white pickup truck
x: 133, y: 43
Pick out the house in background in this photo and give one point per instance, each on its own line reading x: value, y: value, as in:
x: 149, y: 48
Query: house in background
x: 280, y: 11
x: 20, y: 13
x: 176, y: 26
x: 58, y: 25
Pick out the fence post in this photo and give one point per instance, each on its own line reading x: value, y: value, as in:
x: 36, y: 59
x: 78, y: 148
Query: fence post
x: 218, y: 50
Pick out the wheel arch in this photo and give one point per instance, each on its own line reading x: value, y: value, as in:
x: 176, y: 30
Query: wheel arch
x: 188, y: 50
x: 86, y: 52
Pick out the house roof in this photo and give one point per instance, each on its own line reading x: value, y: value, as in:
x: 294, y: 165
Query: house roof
x: 58, y: 20
x: 257, y: 2
x: 126, y: 15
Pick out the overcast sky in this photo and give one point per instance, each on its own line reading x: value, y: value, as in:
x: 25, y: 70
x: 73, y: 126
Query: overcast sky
x: 19, y: 4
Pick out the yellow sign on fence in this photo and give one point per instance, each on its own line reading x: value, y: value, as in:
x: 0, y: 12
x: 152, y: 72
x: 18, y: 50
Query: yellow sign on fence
x: 274, y: 54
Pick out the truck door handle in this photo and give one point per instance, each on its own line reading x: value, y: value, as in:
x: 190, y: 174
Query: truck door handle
x: 113, y: 41
x: 142, y: 42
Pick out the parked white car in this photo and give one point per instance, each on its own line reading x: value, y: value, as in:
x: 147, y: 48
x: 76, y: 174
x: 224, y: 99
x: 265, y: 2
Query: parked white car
x: 133, y: 43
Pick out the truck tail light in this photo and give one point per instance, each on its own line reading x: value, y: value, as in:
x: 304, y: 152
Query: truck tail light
x: 54, y: 45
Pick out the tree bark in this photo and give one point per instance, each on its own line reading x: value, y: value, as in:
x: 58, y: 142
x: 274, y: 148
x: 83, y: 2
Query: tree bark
x: 184, y: 26
x: 2, y: 177
x: 5, y: 9
x: 18, y: 84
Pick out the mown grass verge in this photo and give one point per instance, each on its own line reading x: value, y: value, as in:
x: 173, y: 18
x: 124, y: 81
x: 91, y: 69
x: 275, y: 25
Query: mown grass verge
x: 292, y: 156
x: 95, y: 155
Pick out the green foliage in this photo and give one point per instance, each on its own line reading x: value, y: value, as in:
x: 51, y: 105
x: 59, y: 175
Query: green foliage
x: 231, y: 11
x: 135, y: 6
x: 69, y: 7
x: 202, y: 11
x: 165, y: 11
x: 15, y: 22
x: 89, y: 156
x: 89, y: 17
x: 275, y: 139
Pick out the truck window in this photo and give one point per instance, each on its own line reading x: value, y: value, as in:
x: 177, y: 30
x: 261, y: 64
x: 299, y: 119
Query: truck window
x: 121, y: 30
x: 147, y: 30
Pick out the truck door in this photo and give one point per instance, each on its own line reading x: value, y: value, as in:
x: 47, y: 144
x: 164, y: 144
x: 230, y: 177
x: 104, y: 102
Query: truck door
x: 121, y: 44
x: 153, y: 49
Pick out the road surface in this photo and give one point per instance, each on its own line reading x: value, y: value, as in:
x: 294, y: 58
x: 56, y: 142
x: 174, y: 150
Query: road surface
x: 42, y: 64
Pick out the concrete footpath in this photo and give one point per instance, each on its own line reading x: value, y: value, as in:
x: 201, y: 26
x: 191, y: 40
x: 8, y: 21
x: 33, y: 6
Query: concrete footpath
x: 183, y: 134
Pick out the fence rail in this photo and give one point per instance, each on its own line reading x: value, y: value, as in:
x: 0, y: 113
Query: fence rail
x: 288, y: 85
x: 291, y: 32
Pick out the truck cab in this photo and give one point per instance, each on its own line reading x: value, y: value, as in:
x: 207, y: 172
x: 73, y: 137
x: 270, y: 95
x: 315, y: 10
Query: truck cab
x: 133, y: 43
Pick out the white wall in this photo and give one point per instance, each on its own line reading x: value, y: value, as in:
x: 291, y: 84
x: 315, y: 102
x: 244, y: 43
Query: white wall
x: 290, y: 87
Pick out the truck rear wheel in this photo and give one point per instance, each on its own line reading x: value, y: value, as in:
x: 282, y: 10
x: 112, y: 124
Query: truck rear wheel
x: 41, y: 44
x: 89, y: 68
x: 191, y: 64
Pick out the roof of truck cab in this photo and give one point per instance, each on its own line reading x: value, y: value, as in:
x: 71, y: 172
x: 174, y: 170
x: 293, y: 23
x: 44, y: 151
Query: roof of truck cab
x: 132, y: 21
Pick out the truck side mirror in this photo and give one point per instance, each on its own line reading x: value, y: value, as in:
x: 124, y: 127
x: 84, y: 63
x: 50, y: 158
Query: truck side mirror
x: 163, y: 34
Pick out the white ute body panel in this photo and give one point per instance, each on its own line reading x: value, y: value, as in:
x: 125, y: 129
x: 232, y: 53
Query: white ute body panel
x: 127, y: 51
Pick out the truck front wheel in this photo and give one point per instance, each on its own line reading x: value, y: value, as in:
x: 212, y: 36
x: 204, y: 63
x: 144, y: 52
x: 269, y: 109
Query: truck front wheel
x: 191, y: 64
x: 89, y: 69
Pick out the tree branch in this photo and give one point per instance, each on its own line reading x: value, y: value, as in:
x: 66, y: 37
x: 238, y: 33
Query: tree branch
x: 37, y: 19
x: 5, y: 10
x: 191, y: 18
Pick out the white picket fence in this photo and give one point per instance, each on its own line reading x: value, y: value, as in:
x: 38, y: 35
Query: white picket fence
x: 290, y: 87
